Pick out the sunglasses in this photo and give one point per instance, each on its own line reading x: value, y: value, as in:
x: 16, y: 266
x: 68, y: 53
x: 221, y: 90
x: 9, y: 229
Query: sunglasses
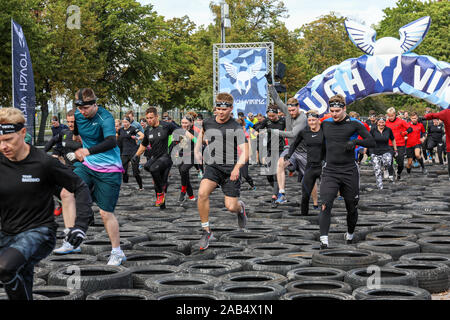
x: 293, y: 105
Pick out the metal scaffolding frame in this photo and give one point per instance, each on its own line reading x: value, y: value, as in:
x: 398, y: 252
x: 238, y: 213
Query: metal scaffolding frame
x: 246, y: 45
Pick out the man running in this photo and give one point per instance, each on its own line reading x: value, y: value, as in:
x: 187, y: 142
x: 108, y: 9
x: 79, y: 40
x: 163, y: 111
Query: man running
x: 435, y: 136
x: 340, y: 172
x: 312, y: 137
x: 222, y: 165
x: 28, y: 228
x: 57, y: 128
x: 400, y: 128
x: 444, y: 116
x: 102, y: 168
x: 414, y: 143
x: 157, y: 135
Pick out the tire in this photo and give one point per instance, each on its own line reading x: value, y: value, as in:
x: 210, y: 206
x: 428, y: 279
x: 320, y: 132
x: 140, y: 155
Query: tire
x: 141, y: 273
x: 383, y: 258
x: 58, y: 293
x: 187, y: 294
x: 434, y: 223
x: 247, y: 238
x: 388, y: 235
x: 251, y: 291
x: 318, y: 285
x: 56, y: 261
x: 121, y: 294
x: 427, y: 257
x: 436, y: 234
x: 431, y: 276
x: 95, y: 246
x: 427, y: 206
x: 271, y: 249
x: 151, y: 258
x: 317, y: 295
x: 260, y: 277
x: 219, y: 247
x: 211, y: 267
x: 287, y: 236
x: 359, y: 277
x: 180, y: 281
x: 378, y: 206
x: 133, y: 237
x: 163, y: 245
x: 392, y: 291
x: 93, y: 278
x: 408, y: 227
x: 316, y: 273
x: 275, y: 264
x: 316, y: 247
x: 395, y: 248
x: 435, y: 244
x: 344, y: 259
x: 307, y: 256
x: 165, y: 233
x: 4, y: 296
x: 238, y: 256
x: 37, y: 282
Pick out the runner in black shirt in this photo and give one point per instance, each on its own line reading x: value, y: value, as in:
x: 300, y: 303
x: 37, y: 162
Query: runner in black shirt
x: 435, y: 136
x: 157, y: 135
x: 340, y: 172
x: 126, y: 140
x: 28, y: 228
x: 312, y: 138
x: 274, y: 146
x: 381, y: 154
x: 224, y: 135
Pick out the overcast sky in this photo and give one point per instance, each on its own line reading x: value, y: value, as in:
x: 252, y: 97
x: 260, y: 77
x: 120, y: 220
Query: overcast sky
x: 300, y: 11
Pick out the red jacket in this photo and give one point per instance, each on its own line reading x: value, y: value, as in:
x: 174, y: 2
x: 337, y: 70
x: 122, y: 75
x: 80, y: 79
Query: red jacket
x: 414, y: 136
x: 444, y: 115
x: 398, y: 127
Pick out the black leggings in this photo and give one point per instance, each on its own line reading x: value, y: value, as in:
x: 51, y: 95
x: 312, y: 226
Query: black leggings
x: 159, y: 169
x: 126, y: 159
x: 244, y: 174
x: 312, y: 173
x: 440, y: 149
x: 185, y: 179
x: 400, y: 159
x: 274, y: 184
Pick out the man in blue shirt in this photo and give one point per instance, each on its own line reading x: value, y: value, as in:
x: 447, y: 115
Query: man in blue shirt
x: 102, y: 166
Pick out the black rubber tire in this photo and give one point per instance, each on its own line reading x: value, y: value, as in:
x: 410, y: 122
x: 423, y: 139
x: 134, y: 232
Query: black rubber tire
x: 251, y: 291
x: 220, y: 247
x: 427, y: 206
x: 141, y: 273
x: 187, y: 294
x: 434, y: 223
x: 37, y: 282
x: 444, y: 233
x: 318, y: 285
x: 191, y: 281
x: 299, y: 254
x: 344, y: 259
x: 279, y: 265
x: 427, y: 257
x: 408, y: 227
x: 395, y: 248
x: 246, y: 238
x: 254, y: 277
x: 132, y: 236
x: 4, y: 296
x: 56, y: 261
x: 59, y: 292
x: 317, y: 295
x: 238, y: 256
x: 434, y: 245
x: 214, y: 268
x: 316, y: 273
x: 286, y: 236
x: 94, y: 277
x: 358, y: 277
x: 146, y: 258
x: 391, y: 291
x: 271, y: 249
x: 163, y: 245
x: 431, y: 276
x: 95, y: 246
x: 121, y: 294
x: 394, y: 235
x: 383, y: 258
x: 165, y: 233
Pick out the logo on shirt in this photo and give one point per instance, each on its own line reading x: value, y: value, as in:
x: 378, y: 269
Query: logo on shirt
x: 94, y: 123
x: 29, y: 178
x: 314, y: 136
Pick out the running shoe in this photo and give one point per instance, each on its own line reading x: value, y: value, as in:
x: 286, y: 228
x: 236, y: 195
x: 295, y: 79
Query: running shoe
x: 391, y: 178
x: 347, y: 238
x: 182, y: 198
x: 385, y: 174
x: 159, y: 199
x: 204, y: 240
x: 273, y: 204
x: 242, y: 216
x: 323, y: 246
x: 200, y: 175
x: 424, y: 170
x: 399, y: 177
x: 116, y: 258
x: 57, y: 211
x: 66, y: 248
x: 192, y: 198
x: 281, y: 198
x: 415, y: 164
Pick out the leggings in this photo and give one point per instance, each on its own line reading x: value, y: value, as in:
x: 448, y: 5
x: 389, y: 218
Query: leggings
x: 245, y: 175
x: 312, y: 173
x: 400, y: 159
x: 273, y: 183
x: 185, y: 179
x: 379, y: 162
x: 440, y: 149
x: 159, y: 169
x: 126, y: 159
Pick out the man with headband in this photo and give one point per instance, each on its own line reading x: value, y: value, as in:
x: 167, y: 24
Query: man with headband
x: 222, y: 164
x: 102, y: 167
x: 340, y: 172
x: 28, y: 228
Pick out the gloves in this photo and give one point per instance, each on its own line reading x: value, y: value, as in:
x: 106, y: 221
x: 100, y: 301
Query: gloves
x: 409, y: 130
x: 350, y: 145
x: 135, y: 159
x: 71, y: 156
x: 75, y: 236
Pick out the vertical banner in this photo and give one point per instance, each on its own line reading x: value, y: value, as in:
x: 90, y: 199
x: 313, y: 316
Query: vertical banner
x: 241, y: 73
x: 24, y: 97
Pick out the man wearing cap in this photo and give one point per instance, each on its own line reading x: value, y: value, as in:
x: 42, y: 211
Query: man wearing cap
x: 222, y: 164
x: 340, y: 172
x: 102, y: 167
x: 28, y: 229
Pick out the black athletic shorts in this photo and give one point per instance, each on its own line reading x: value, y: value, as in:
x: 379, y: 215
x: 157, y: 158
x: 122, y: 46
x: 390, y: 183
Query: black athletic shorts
x: 410, y: 153
x: 344, y: 180
x: 222, y: 178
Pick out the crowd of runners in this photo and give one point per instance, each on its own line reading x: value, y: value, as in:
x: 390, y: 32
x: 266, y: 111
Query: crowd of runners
x: 92, y: 155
